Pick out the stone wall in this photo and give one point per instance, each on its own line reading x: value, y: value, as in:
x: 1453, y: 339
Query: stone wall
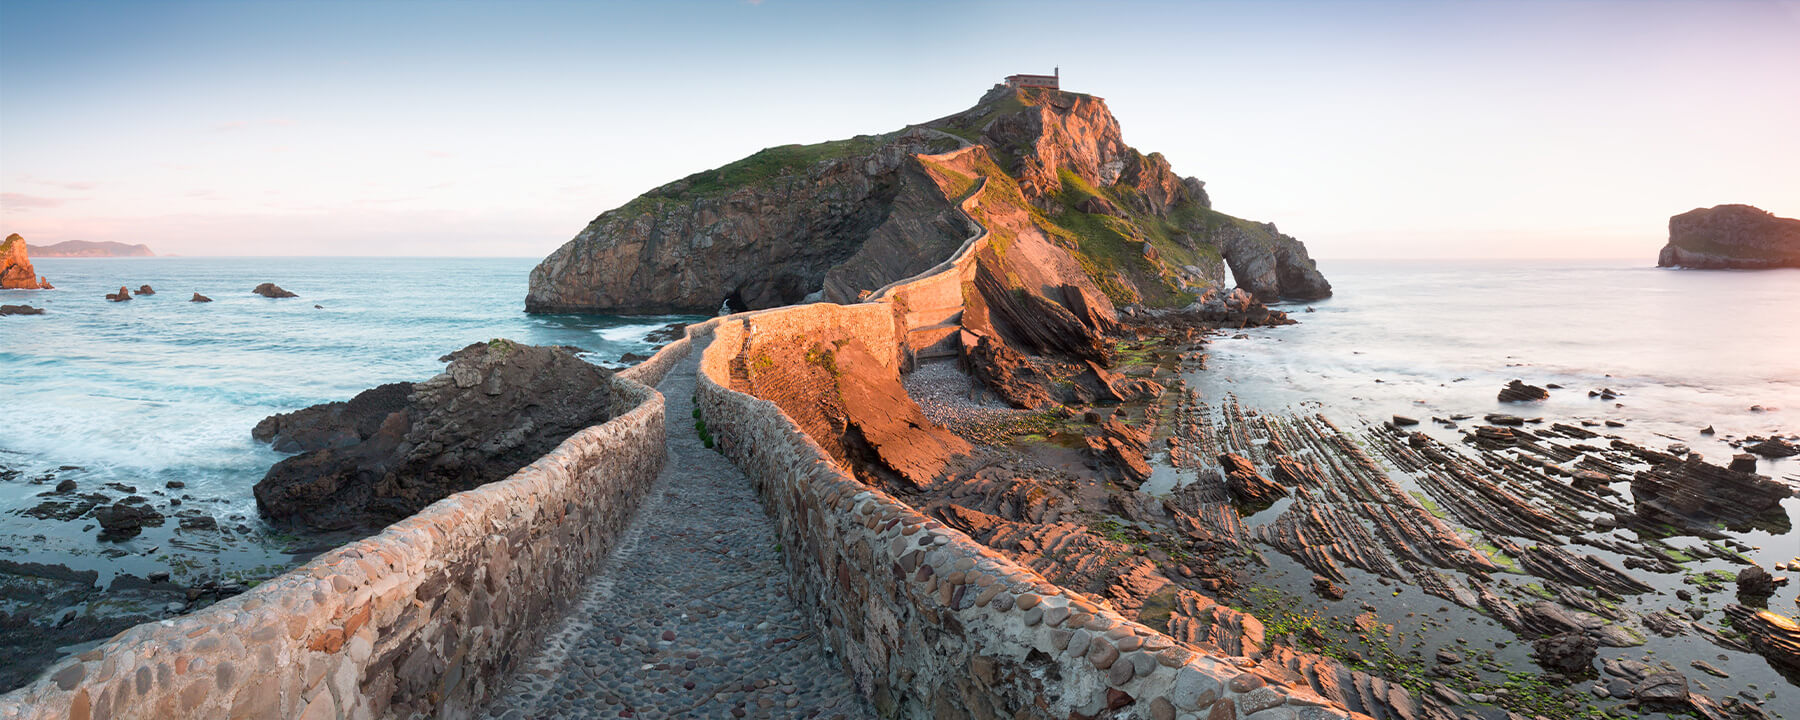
x: 931, y: 624
x: 424, y: 619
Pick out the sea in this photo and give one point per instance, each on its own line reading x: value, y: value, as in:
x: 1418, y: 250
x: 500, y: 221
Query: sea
x: 125, y: 398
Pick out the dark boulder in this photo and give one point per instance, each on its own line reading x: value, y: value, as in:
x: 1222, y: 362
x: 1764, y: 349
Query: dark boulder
x: 271, y: 290
x: 145, y: 290
x: 1774, y: 447
x: 125, y: 519
x: 20, y: 310
x: 1698, y: 494
x: 1570, y: 653
x: 199, y: 298
x: 1517, y: 391
x: 121, y: 296
x: 1661, y: 687
x: 1755, y: 583
x: 394, y: 449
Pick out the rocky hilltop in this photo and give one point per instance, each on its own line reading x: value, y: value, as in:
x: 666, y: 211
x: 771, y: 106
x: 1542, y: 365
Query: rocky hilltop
x: 1731, y: 236
x: 90, y: 249
x: 16, y: 272
x: 836, y: 220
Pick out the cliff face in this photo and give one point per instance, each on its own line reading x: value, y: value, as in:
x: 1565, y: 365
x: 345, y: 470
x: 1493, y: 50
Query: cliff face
x: 16, y: 272
x: 1072, y: 163
x: 838, y: 219
x: 762, y: 232
x: 1731, y: 236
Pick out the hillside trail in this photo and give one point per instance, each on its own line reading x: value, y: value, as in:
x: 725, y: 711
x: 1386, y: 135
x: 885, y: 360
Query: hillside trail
x: 690, y: 616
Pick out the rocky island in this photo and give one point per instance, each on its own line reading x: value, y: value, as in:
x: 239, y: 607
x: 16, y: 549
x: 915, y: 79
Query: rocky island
x: 1738, y: 237
x: 16, y: 272
x: 837, y: 220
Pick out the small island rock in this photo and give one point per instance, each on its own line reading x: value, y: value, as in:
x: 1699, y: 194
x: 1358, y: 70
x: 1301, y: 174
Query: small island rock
x: 122, y: 295
x: 16, y: 272
x: 271, y: 290
x: 145, y: 290
x: 199, y: 298
x: 20, y: 310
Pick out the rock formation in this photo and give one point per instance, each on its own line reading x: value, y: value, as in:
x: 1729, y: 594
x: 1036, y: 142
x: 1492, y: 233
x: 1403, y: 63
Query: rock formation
x: 20, y: 310
x: 396, y: 448
x: 16, y: 272
x: 835, y: 220
x: 1518, y: 391
x: 145, y: 290
x: 199, y: 298
x: 89, y: 249
x: 122, y: 295
x: 271, y: 290
x: 1696, y: 493
x: 1731, y: 236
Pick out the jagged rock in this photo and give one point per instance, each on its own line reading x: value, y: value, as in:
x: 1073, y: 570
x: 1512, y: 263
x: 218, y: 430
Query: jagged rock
x: 16, y: 272
x: 1775, y: 448
x: 1731, y: 236
x: 145, y: 290
x: 1570, y: 652
x: 20, y: 310
x: 1517, y: 391
x: 1772, y: 635
x: 1743, y: 462
x: 271, y: 290
x: 121, y: 296
x: 1326, y: 588
x: 1122, y: 449
x: 396, y: 448
x: 199, y: 298
x: 878, y: 413
x: 1755, y: 582
x: 1246, y: 484
x: 1700, y: 493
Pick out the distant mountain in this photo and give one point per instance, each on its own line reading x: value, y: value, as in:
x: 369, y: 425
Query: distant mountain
x: 84, y: 248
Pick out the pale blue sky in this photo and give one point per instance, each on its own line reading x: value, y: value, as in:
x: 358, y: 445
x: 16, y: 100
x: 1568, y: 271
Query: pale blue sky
x: 1465, y: 129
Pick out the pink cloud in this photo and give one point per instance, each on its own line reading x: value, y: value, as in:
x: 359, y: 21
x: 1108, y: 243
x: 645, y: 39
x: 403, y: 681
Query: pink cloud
x: 21, y: 201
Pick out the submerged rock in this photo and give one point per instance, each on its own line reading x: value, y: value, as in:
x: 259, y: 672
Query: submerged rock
x: 20, y: 310
x: 199, y: 298
x: 394, y: 449
x: 271, y: 290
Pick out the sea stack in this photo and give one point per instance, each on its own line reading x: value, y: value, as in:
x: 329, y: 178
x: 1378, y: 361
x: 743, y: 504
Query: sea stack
x: 1738, y: 237
x: 271, y: 290
x: 16, y: 272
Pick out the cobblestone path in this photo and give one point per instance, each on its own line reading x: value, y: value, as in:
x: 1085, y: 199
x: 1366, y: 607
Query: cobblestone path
x: 690, y: 616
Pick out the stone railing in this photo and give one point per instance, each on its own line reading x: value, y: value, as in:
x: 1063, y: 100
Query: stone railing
x: 930, y: 623
x: 423, y: 619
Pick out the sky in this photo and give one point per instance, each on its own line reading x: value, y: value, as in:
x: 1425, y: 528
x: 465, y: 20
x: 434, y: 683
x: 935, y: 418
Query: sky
x: 1514, y: 129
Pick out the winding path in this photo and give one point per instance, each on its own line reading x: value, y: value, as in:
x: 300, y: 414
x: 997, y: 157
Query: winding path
x: 690, y: 616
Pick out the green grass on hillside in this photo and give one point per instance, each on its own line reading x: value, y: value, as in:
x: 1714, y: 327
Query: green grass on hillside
x: 771, y: 163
